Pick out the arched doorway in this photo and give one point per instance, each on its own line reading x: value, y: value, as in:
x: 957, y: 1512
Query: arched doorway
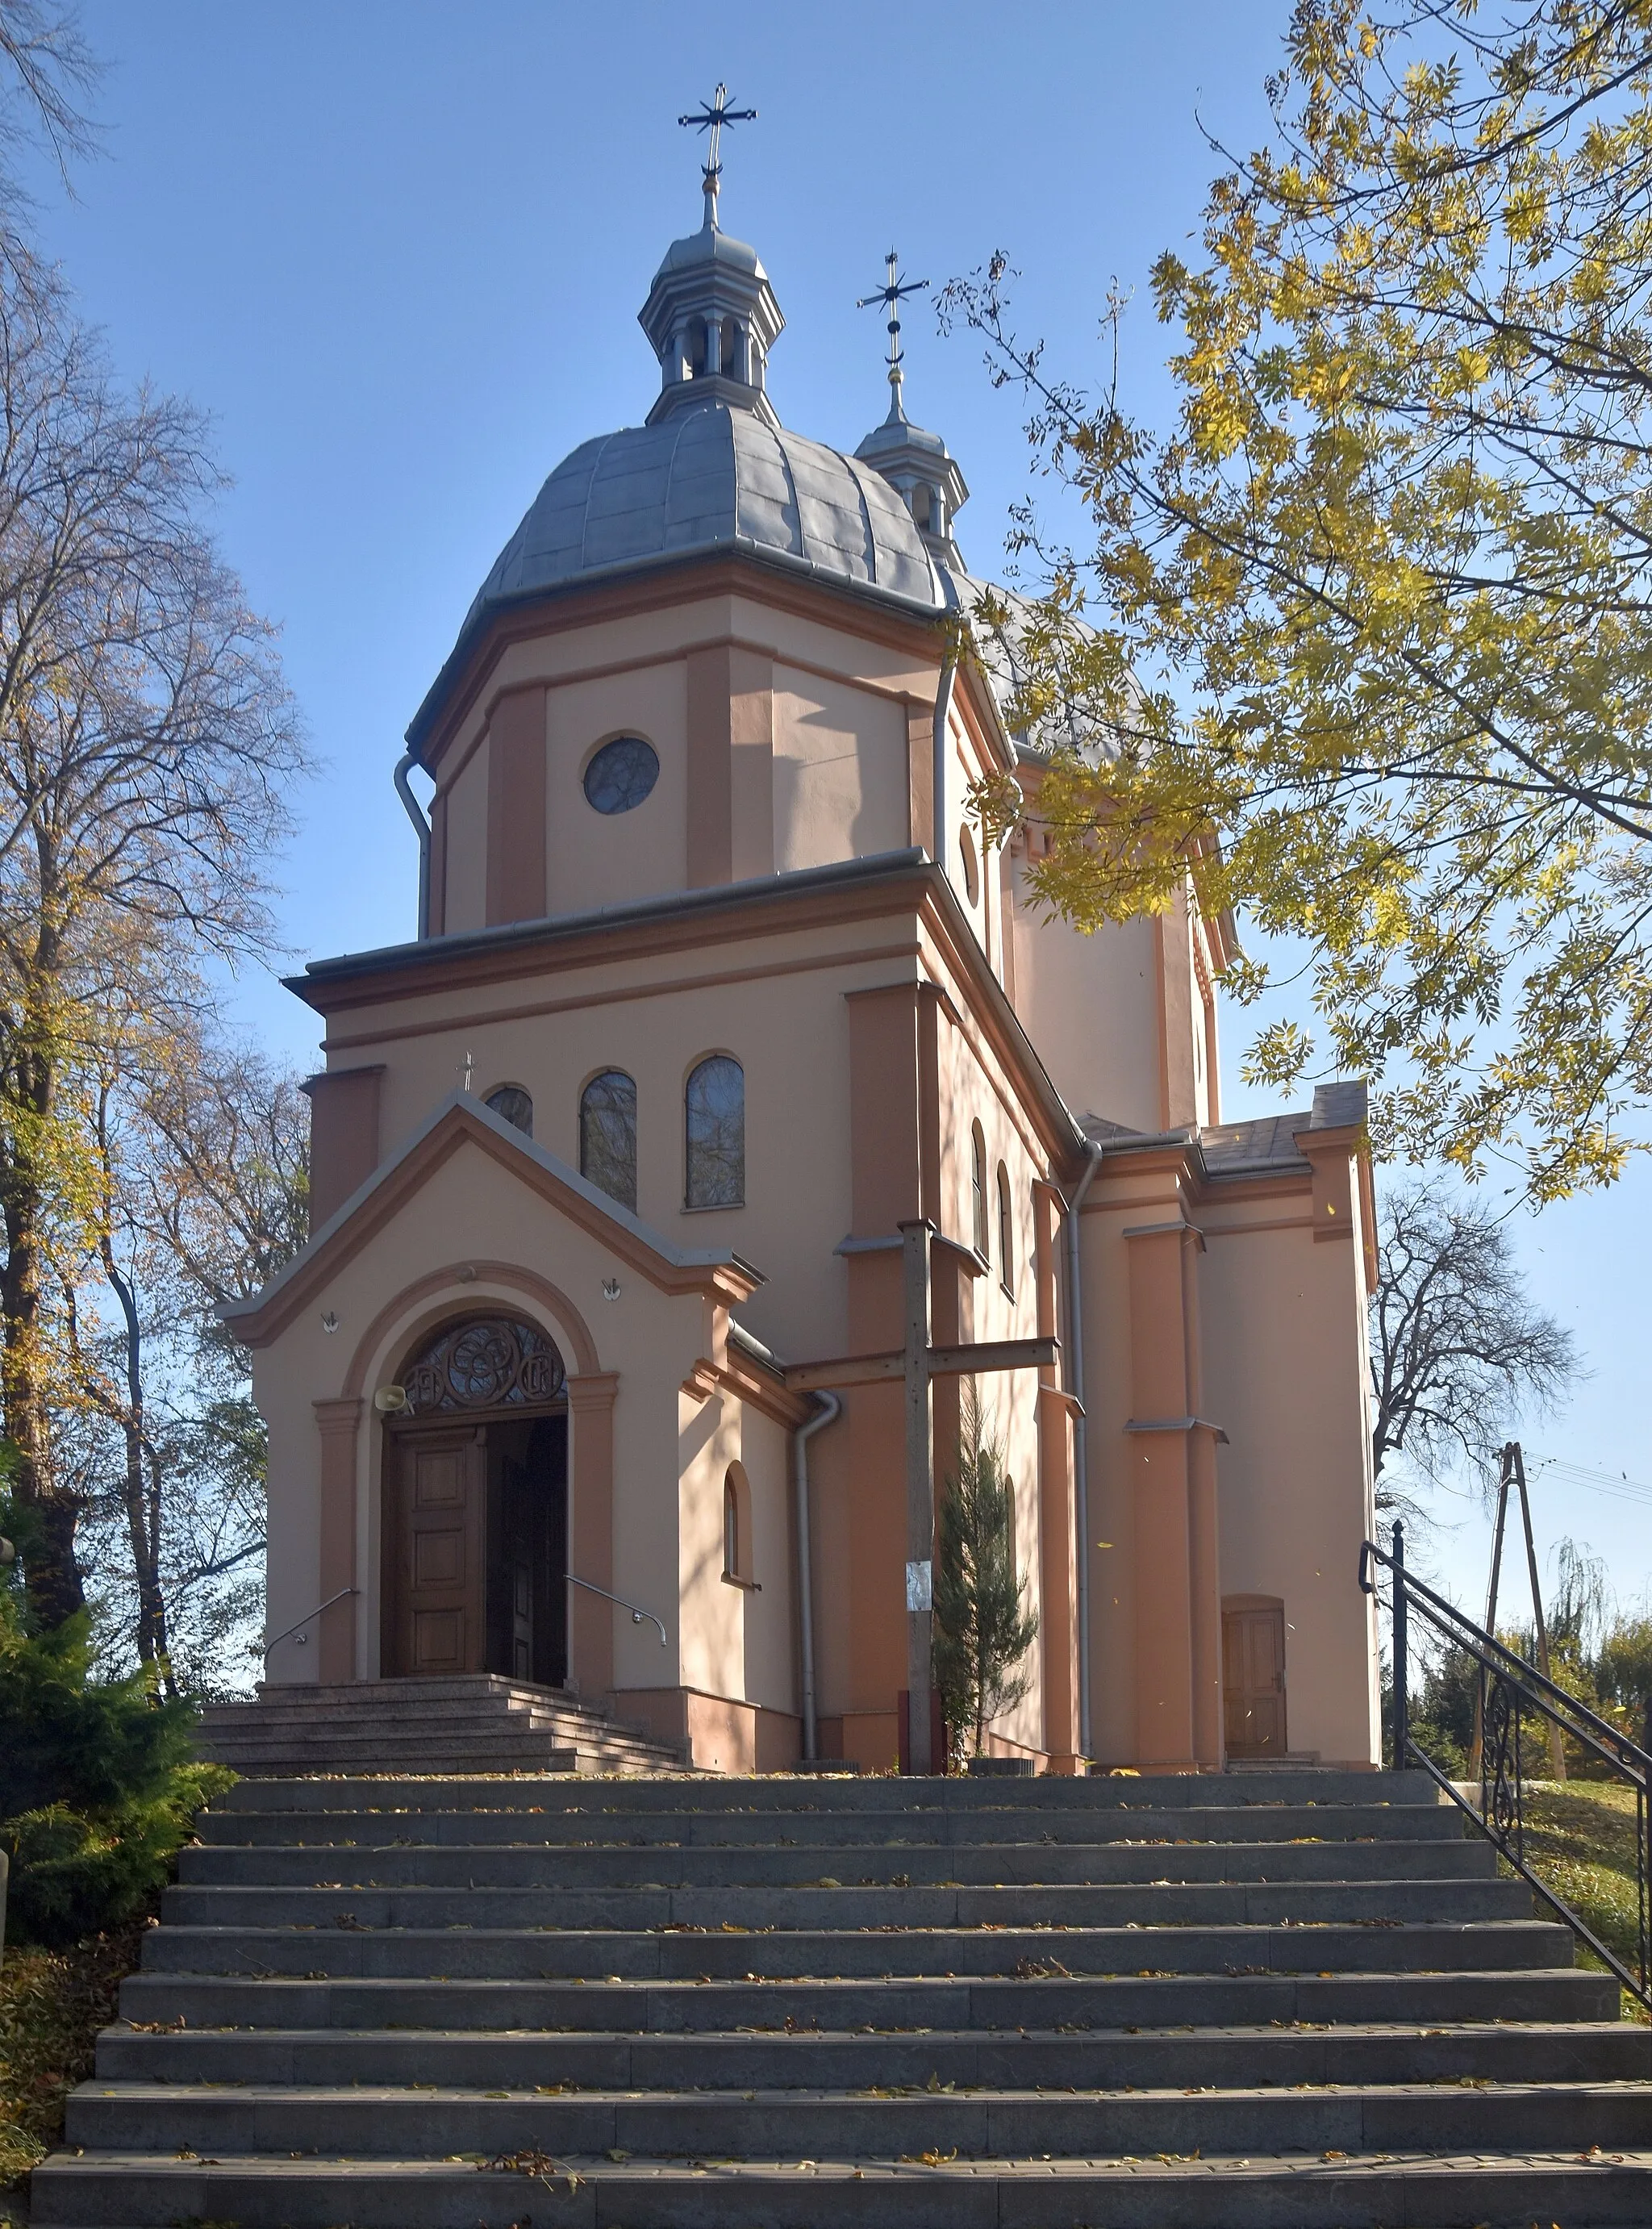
x: 475, y: 1507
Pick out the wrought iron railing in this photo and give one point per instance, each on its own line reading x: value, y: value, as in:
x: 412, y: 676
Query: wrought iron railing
x: 1511, y: 1689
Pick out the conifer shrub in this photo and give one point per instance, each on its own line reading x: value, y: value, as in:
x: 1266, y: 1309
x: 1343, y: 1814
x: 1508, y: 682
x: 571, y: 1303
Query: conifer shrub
x: 98, y: 1782
x: 982, y: 1628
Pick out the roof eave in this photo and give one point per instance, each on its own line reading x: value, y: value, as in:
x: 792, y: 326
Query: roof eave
x: 479, y: 624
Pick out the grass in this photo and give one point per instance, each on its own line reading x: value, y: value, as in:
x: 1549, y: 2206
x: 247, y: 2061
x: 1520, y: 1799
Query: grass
x: 1581, y: 1841
x: 52, y: 2004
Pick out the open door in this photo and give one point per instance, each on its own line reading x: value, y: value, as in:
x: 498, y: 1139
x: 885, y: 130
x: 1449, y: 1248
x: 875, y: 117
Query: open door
x: 1253, y: 1675
x: 435, y: 1554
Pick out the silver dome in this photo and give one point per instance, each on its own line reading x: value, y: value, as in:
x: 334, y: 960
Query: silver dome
x: 705, y: 480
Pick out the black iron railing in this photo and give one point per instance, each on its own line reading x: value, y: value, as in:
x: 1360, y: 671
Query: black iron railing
x: 1511, y: 1691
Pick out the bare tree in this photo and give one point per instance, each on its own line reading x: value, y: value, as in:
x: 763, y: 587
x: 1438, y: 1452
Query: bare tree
x: 199, y: 1153
x: 50, y: 74
x: 147, y: 746
x: 1458, y: 1353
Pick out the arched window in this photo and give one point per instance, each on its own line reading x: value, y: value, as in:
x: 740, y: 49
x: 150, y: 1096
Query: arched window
x: 515, y: 1105
x: 608, y: 1135
x: 737, y: 1526
x: 972, y: 872
x: 978, y: 1191
x: 1005, y: 1233
x: 714, y: 1128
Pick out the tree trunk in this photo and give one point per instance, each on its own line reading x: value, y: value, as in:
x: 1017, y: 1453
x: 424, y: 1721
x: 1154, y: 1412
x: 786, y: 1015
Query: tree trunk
x: 141, y: 1484
x: 51, y: 1565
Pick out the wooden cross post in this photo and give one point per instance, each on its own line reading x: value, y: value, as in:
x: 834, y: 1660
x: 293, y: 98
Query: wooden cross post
x: 920, y: 1492
x: 918, y: 1363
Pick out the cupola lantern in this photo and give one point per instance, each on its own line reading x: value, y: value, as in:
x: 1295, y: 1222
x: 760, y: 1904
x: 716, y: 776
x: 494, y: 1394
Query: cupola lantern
x: 711, y: 314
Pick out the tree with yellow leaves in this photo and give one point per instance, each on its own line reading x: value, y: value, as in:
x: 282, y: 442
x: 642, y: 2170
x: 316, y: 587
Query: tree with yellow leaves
x: 1375, y: 607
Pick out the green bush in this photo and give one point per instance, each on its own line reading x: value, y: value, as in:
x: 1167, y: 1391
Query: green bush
x: 99, y: 1784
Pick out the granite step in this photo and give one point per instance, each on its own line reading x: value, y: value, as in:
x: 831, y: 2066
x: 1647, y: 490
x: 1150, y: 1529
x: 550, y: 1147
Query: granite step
x: 1304, y: 1791
x: 850, y: 1908
x: 615, y: 1826
x: 1345, y: 2190
x: 784, y: 2004
x: 1041, y: 1955
x: 383, y: 2122
x: 1231, y: 2056
x: 381, y: 1863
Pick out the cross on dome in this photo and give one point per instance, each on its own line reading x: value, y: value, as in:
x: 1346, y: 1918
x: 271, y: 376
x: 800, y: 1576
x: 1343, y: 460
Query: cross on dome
x: 711, y: 116
x: 918, y: 465
x: 890, y: 294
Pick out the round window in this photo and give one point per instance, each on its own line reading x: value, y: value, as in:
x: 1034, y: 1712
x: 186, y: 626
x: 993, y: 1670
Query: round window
x: 621, y: 774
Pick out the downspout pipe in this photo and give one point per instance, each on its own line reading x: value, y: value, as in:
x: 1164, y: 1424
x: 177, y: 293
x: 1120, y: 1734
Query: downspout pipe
x: 943, y: 712
x: 404, y: 766
x: 1081, y: 1433
x: 828, y: 1406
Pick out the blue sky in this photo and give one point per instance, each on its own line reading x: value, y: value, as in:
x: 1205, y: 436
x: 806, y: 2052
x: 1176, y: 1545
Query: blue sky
x: 396, y: 249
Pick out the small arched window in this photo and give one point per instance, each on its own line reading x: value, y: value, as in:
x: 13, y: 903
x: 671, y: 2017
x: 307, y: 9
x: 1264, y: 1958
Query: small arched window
x: 972, y: 871
x: 1005, y: 1233
x: 737, y: 1526
x: 978, y: 1189
x: 608, y: 1135
x: 714, y: 1131
x: 515, y: 1105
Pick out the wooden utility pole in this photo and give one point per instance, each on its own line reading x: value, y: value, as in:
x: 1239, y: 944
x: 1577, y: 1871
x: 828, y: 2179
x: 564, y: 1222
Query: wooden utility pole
x: 1516, y: 1461
x: 1512, y: 1473
x: 1477, y: 1748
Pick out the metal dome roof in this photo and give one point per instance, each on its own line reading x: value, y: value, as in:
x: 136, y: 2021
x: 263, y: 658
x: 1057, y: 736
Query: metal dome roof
x: 708, y: 478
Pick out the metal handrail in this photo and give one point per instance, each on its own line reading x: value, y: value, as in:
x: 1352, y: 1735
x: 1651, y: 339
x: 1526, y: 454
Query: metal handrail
x: 276, y: 1640
x: 1506, y: 1682
x: 637, y: 1615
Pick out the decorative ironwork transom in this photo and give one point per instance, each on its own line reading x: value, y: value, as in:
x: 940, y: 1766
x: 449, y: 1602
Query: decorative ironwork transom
x: 492, y: 1362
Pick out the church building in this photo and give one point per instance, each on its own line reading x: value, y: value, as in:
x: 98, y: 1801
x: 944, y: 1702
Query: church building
x: 733, y: 1112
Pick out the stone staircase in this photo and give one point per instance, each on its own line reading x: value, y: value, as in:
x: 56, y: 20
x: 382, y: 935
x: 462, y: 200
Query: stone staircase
x: 478, y: 1722
x: 794, y: 2004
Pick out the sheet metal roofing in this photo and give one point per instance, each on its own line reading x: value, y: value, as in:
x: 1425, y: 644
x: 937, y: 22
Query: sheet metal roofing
x: 708, y: 480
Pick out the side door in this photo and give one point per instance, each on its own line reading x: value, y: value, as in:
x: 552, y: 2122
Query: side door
x: 1253, y: 1678
x: 435, y: 1554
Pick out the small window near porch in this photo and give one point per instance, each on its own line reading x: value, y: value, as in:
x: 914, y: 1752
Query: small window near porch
x: 736, y: 1527
x: 978, y: 1189
x: 1005, y: 1233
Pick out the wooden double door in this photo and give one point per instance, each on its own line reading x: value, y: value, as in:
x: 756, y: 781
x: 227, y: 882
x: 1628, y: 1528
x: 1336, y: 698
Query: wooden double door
x: 475, y: 1557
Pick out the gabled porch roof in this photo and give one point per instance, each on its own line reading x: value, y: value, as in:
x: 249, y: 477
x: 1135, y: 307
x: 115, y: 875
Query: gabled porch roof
x: 457, y: 1122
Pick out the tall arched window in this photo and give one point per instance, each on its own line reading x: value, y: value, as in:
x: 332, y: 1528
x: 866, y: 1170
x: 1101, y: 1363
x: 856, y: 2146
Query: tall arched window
x: 737, y: 1526
x: 977, y: 1189
x: 1005, y: 1233
x: 714, y: 1129
x: 512, y: 1102
x: 608, y: 1135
